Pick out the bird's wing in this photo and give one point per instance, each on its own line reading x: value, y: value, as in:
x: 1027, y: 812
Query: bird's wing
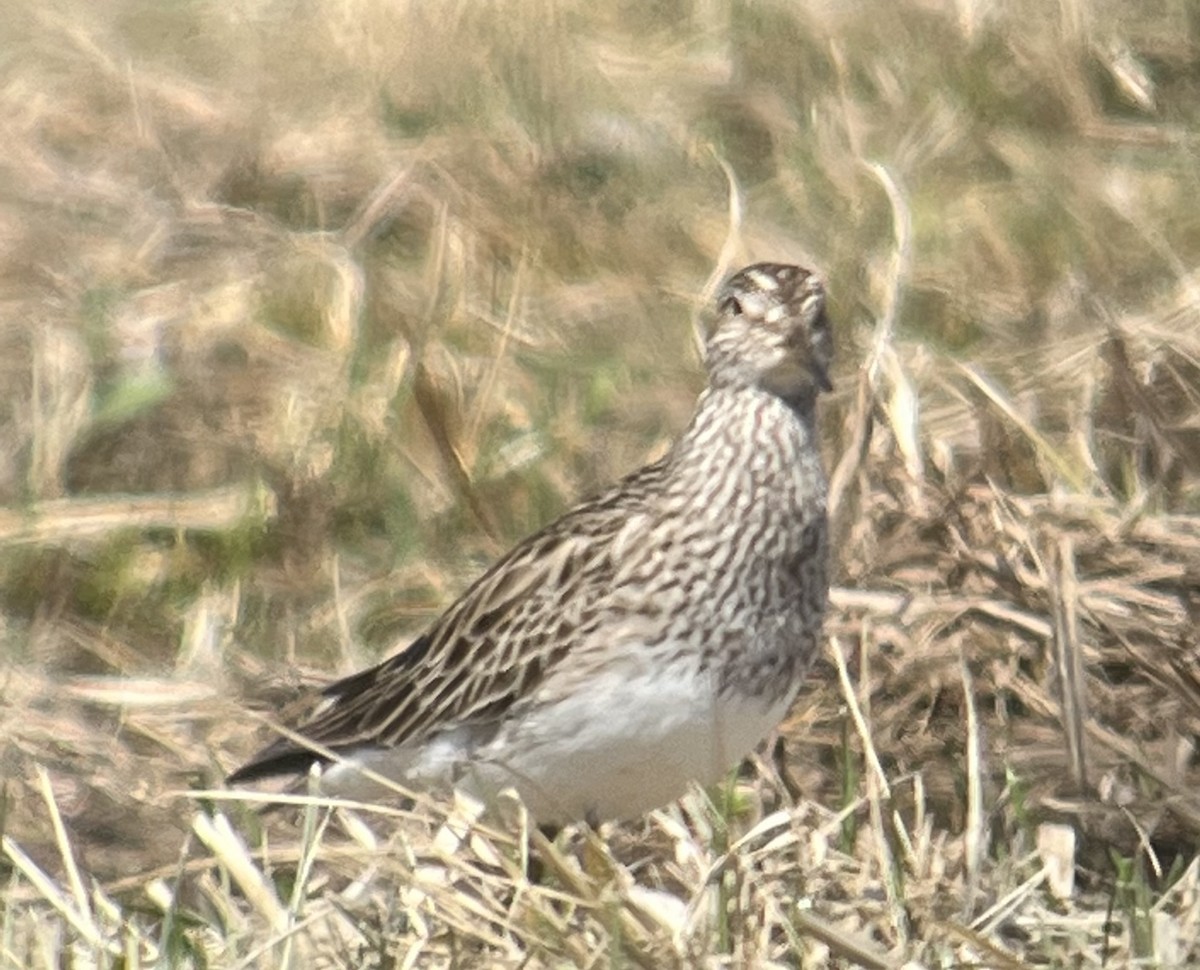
x: 492, y: 647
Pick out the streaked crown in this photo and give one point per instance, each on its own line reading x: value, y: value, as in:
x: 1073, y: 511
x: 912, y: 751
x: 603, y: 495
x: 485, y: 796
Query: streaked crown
x: 772, y: 332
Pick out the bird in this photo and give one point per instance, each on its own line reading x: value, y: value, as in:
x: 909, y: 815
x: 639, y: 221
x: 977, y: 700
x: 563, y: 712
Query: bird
x: 648, y: 638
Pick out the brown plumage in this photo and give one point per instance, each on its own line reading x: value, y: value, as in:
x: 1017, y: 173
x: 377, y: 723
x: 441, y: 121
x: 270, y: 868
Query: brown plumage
x: 650, y: 636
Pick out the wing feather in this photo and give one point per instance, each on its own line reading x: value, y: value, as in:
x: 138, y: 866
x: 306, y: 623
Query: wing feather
x: 492, y: 647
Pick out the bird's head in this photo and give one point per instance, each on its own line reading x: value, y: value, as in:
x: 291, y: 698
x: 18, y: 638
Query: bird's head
x: 772, y: 332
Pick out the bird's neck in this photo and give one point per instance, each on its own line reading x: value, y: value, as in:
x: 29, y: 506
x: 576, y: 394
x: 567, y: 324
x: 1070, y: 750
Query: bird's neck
x: 749, y: 419
x: 750, y: 443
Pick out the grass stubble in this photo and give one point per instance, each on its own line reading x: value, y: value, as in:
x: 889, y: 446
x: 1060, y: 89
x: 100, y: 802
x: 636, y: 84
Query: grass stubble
x: 306, y: 314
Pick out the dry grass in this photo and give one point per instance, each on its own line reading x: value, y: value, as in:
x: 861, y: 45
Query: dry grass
x: 305, y: 313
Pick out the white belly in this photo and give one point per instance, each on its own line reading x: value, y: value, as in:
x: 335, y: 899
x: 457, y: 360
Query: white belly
x: 616, y: 749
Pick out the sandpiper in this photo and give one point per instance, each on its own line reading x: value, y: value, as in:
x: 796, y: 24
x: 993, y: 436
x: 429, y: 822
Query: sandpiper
x: 648, y: 638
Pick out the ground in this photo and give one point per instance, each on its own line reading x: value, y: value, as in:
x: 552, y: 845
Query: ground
x: 308, y: 312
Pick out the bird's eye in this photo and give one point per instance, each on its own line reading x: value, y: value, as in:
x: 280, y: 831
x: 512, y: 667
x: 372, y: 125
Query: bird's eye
x: 732, y: 305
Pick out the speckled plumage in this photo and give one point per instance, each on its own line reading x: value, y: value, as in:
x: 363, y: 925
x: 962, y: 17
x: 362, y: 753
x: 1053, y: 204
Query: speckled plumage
x: 650, y: 636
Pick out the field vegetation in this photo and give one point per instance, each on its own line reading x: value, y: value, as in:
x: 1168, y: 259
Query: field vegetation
x: 308, y: 311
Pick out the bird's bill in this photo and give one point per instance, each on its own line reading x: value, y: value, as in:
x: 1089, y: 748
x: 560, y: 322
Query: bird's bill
x: 821, y: 373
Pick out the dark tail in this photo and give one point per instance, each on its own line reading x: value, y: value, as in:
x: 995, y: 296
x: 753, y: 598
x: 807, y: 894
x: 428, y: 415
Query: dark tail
x: 280, y: 758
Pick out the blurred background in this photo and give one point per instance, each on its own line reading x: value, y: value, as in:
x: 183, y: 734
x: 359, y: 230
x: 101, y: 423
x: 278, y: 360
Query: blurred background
x: 308, y: 311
